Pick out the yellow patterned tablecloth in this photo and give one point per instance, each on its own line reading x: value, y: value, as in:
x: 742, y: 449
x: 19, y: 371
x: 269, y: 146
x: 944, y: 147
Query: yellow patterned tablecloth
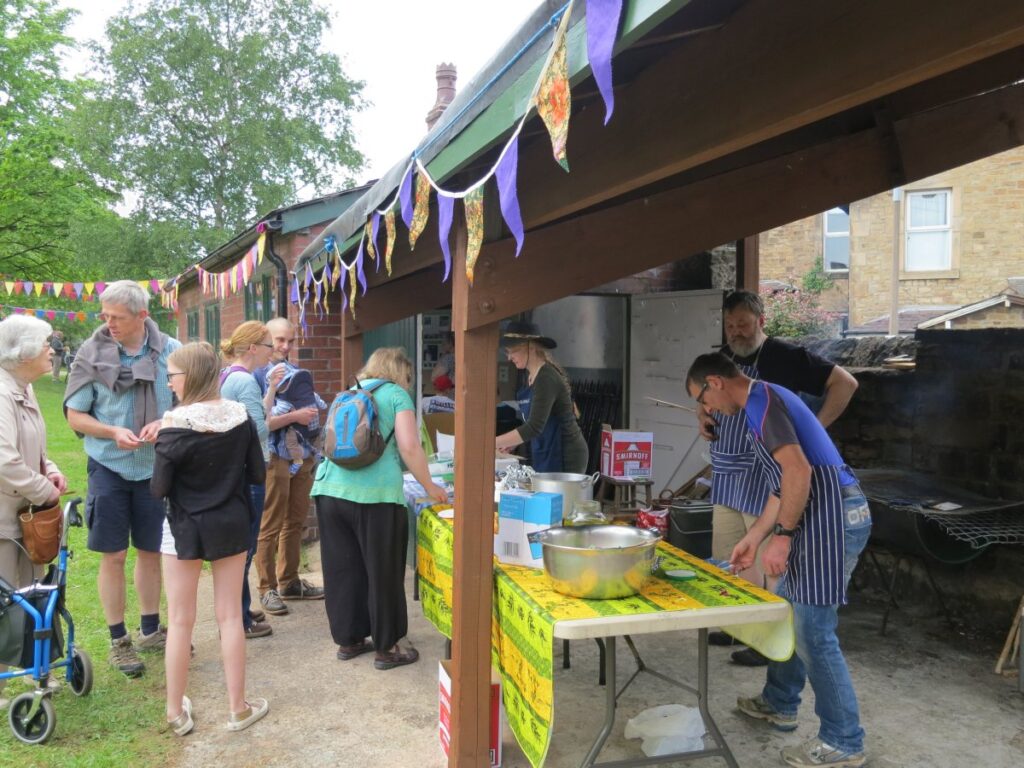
x: 526, y: 610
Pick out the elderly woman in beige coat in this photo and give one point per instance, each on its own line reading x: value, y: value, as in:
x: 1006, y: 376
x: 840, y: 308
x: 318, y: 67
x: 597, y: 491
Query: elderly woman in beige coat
x: 26, y: 475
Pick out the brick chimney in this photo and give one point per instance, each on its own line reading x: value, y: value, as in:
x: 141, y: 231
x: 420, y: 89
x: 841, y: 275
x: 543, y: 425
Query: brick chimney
x: 445, y: 93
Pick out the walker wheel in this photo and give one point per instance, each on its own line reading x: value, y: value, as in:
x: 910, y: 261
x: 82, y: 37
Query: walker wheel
x: 36, y: 728
x: 81, y: 673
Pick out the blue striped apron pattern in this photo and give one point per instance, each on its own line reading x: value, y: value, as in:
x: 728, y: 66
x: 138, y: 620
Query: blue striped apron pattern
x: 735, y: 480
x: 816, y: 560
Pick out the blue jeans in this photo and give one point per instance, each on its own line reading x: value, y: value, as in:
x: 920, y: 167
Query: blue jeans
x: 257, y: 495
x: 818, y: 658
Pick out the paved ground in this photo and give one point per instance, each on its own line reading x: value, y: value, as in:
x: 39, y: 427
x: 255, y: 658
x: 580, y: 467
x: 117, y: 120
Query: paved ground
x: 927, y: 692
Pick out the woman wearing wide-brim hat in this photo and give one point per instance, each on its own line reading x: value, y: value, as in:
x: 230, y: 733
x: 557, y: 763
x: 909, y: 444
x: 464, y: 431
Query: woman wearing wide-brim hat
x: 551, y: 429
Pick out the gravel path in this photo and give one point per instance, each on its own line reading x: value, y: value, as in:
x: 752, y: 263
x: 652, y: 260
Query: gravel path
x: 322, y: 711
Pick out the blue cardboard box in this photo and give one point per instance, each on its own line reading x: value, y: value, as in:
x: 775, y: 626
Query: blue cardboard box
x: 520, y: 514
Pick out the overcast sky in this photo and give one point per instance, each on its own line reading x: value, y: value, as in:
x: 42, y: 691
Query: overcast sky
x: 391, y: 45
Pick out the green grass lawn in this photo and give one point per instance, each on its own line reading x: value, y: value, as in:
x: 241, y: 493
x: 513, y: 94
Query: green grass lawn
x: 121, y: 722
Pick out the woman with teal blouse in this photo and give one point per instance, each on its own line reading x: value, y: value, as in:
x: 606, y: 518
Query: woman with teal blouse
x: 364, y: 530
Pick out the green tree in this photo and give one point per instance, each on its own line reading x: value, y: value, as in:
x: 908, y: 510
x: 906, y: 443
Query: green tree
x: 43, y: 186
x: 214, y: 111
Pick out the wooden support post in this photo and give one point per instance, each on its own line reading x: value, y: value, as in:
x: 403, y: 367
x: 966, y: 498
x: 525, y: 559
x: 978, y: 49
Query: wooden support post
x: 475, y: 395
x: 351, y: 351
x: 748, y: 264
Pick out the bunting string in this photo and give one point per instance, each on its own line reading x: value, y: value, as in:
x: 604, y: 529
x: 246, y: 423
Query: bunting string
x: 551, y: 99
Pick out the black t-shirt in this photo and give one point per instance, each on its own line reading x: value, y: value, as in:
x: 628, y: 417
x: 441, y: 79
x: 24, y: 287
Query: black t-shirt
x: 789, y: 366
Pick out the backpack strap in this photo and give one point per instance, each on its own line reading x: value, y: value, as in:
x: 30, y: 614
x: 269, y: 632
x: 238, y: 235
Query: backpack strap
x: 229, y: 370
x: 371, y: 390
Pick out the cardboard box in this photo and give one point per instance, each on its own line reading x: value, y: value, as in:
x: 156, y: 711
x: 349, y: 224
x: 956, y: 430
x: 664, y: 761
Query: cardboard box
x: 521, y: 516
x: 444, y: 723
x: 626, y: 455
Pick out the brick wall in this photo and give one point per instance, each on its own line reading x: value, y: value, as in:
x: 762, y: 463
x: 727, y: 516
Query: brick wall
x: 318, y: 350
x: 987, y: 220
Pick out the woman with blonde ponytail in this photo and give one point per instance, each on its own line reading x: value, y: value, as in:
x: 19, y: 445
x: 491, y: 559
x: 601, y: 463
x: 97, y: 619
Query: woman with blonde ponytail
x: 249, y: 348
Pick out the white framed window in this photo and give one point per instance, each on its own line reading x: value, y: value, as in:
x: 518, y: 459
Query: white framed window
x: 836, y: 247
x: 929, y: 234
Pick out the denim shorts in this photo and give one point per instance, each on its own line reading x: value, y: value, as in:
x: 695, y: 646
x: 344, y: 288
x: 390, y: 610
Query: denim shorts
x: 116, y: 508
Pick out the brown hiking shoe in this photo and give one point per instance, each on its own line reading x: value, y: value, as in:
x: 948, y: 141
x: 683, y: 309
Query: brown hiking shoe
x: 155, y: 642
x: 124, y: 658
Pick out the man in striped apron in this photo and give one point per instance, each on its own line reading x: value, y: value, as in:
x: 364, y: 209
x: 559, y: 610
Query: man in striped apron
x: 818, y: 522
x: 738, y: 494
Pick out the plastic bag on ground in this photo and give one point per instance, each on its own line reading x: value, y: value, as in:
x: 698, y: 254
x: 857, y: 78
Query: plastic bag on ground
x: 667, y: 729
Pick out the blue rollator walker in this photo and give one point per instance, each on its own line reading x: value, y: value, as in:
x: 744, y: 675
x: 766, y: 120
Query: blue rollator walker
x: 32, y: 642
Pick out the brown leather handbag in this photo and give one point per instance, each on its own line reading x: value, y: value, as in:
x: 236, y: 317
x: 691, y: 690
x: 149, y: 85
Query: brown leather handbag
x: 40, y: 532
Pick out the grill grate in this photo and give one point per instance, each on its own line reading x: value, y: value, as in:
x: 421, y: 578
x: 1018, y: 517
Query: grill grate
x: 980, y: 529
x: 980, y: 521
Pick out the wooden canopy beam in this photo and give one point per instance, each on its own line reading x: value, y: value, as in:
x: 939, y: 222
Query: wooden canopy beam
x: 399, y: 298
x: 596, y: 248
x: 739, y: 90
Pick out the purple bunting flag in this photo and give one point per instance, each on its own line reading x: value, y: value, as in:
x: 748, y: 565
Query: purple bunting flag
x: 602, y: 27
x: 405, y: 198
x: 360, y: 258
x: 293, y: 295
x: 445, y: 211
x: 506, y: 174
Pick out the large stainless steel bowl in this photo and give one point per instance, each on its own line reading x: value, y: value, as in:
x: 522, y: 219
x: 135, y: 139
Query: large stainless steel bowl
x: 598, y: 562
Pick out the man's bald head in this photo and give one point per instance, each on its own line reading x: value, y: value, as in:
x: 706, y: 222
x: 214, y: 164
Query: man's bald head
x: 282, y: 335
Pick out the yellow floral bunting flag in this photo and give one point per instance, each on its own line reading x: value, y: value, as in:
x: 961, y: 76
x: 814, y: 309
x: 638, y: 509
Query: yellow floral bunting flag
x: 371, y: 248
x: 260, y: 245
x: 389, y: 225
x: 554, y: 101
x: 474, y: 205
x: 336, y: 273
x: 420, y: 211
x: 353, y: 282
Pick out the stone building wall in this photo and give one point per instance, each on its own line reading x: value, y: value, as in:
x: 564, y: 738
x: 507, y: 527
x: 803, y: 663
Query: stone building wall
x: 987, y: 235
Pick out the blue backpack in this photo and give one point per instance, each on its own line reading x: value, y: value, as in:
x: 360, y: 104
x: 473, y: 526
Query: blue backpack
x: 352, y: 436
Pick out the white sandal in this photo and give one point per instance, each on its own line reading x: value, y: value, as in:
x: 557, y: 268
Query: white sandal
x: 255, y: 710
x: 183, y: 723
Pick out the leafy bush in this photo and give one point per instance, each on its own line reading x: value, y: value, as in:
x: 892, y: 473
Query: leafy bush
x: 793, y: 314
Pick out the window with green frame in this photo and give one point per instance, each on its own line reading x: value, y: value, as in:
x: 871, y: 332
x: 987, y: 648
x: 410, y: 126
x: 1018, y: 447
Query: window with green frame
x: 252, y: 308
x: 192, y: 324
x: 267, y: 289
x: 212, y: 318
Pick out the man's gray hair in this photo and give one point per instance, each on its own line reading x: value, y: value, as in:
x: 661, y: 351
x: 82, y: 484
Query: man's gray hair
x: 126, y: 293
x: 22, y: 337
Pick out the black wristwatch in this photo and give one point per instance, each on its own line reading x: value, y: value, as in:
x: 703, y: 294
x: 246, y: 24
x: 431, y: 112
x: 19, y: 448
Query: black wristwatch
x: 778, y: 530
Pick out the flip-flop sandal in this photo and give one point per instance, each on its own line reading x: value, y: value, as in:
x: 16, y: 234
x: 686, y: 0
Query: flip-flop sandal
x: 346, y: 652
